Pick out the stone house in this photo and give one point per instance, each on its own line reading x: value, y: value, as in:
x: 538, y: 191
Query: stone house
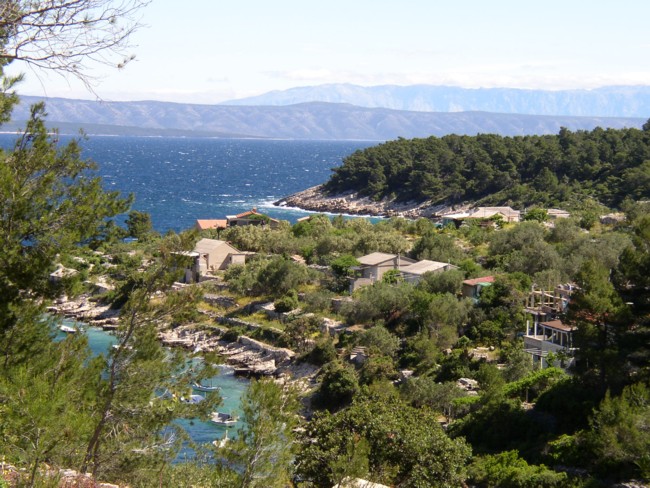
x: 373, y: 266
x: 210, y: 255
x: 557, y: 213
x: 482, y: 213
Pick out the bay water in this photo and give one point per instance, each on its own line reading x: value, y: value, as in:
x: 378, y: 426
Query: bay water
x: 231, y: 388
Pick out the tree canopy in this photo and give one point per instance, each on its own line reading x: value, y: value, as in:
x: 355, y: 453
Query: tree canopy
x: 606, y: 164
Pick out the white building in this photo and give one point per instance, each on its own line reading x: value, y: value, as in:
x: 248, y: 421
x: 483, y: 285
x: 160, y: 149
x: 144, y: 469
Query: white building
x: 413, y: 272
x: 553, y: 337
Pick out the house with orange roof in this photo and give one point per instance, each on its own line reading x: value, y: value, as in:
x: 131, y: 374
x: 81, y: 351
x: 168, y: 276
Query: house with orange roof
x: 472, y: 288
x: 207, y: 224
x: 251, y: 217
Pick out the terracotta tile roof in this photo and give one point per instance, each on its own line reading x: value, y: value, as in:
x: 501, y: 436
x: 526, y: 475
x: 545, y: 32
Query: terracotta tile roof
x: 476, y: 281
x: 247, y: 213
x: 250, y: 212
x: 205, y: 224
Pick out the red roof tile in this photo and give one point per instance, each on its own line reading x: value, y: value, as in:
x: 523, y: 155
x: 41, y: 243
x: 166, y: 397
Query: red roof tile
x: 204, y: 224
x: 476, y: 281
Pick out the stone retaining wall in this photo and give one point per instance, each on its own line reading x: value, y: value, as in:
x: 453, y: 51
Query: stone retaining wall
x: 279, y: 354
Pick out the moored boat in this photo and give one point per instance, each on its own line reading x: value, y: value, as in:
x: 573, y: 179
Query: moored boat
x: 192, y: 399
x: 207, y: 388
x: 221, y: 418
x: 67, y: 329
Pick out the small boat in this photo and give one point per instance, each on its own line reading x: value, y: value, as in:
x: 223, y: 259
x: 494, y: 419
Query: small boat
x: 221, y: 418
x: 68, y: 330
x: 193, y: 399
x: 221, y: 443
x: 207, y: 388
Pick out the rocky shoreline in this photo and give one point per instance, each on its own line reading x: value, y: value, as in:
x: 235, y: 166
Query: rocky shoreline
x: 87, y: 311
x: 315, y: 199
x: 248, y: 356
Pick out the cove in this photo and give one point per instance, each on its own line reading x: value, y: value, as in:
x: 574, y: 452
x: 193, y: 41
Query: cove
x: 232, y: 387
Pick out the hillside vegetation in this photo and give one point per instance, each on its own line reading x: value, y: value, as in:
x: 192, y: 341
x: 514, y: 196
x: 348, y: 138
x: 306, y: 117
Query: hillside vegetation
x: 605, y: 164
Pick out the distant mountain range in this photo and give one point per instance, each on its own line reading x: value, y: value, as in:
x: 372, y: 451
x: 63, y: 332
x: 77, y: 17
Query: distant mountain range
x: 312, y: 120
x: 609, y: 101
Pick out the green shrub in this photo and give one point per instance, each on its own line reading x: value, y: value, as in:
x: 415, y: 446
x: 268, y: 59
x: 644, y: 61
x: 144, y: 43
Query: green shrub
x: 323, y: 352
x: 287, y: 303
x: 232, y: 334
x: 508, y: 470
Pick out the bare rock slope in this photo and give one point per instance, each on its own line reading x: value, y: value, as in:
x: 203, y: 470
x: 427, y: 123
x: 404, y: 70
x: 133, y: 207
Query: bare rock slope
x: 315, y: 199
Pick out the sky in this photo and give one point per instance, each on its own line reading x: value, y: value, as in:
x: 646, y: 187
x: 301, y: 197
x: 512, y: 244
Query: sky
x: 210, y: 51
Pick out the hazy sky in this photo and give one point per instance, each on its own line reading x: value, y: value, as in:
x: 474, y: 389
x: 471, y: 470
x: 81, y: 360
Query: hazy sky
x: 209, y: 51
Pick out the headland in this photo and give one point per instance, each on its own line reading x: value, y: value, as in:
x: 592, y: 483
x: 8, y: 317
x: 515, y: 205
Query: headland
x: 315, y: 199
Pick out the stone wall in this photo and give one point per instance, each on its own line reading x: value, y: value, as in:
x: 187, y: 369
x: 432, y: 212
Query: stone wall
x: 279, y: 354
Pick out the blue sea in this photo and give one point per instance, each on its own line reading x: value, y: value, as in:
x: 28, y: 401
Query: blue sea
x: 179, y: 180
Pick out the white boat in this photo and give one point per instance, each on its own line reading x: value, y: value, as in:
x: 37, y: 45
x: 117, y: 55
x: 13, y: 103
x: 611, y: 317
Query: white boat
x: 193, y: 399
x: 221, y: 443
x: 221, y: 418
x: 67, y: 329
x: 206, y: 388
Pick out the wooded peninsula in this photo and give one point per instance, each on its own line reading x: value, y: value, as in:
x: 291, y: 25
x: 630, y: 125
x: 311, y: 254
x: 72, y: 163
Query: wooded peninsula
x: 567, y: 170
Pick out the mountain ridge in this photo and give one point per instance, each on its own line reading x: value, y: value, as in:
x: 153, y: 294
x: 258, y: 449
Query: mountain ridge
x: 611, y: 101
x: 308, y: 120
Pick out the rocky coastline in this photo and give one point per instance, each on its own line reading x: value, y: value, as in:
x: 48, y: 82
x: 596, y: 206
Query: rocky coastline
x: 84, y: 309
x: 316, y: 200
x: 248, y: 356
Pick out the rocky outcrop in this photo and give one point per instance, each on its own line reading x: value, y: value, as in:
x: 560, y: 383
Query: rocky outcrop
x: 249, y: 355
x: 83, y: 309
x: 256, y: 357
x: 316, y: 200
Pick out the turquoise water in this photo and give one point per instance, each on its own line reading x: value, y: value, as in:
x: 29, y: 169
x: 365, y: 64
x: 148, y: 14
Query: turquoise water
x: 231, y: 389
x: 99, y: 340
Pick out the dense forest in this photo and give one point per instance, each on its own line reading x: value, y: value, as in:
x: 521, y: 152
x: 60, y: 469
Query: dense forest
x: 607, y: 165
